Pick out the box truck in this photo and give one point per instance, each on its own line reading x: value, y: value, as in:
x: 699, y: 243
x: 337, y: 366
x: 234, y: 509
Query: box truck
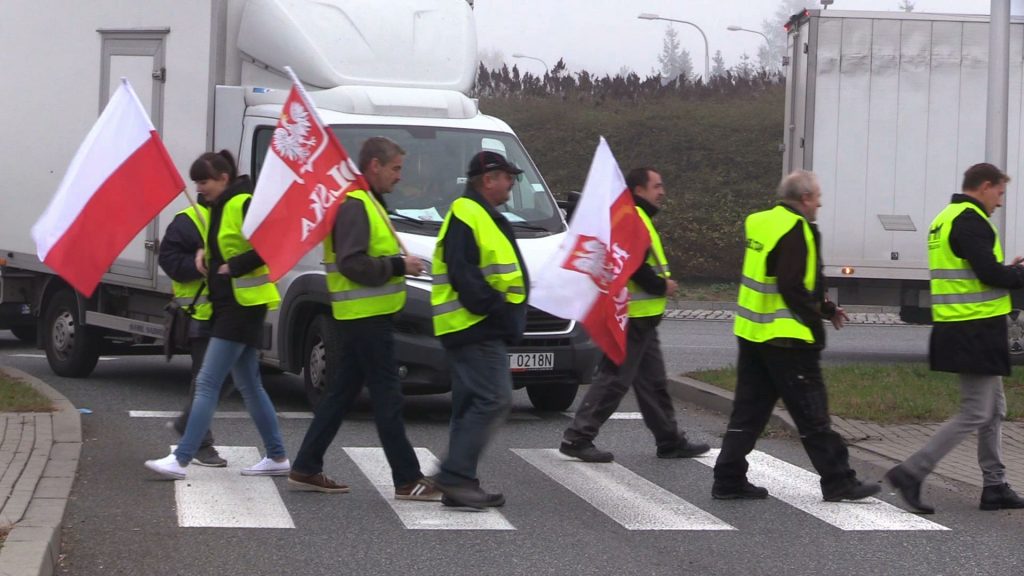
x: 210, y: 74
x: 889, y: 109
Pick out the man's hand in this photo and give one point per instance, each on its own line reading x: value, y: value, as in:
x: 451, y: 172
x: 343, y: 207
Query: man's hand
x: 671, y: 287
x: 840, y: 318
x: 201, y: 261
x: 413, y: 265
x: 1017, y: 261
x: 224, y: 269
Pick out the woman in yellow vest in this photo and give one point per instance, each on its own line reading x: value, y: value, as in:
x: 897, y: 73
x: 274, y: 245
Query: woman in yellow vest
x: 241, y: 293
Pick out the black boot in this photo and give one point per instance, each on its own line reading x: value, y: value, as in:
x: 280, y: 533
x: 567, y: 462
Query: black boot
x: 1000, y: 497
x: 853, y: 490
x: 909, y: 488
x: 586, y: 451
x: 744, y: 491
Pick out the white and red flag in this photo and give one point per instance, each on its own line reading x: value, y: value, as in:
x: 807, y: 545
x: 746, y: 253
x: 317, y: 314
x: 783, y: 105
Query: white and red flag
x: 304, y: 178
x: 607, y: 241
x: 119, y: 180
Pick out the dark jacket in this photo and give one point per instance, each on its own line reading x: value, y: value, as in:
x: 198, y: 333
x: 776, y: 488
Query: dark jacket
x: 975, y: 346
x: 645, y: 276
x: 788, y: 263
x: 231, y: 320
x: 178, y: 249
x: 504, y: 321
x: 351, y: 238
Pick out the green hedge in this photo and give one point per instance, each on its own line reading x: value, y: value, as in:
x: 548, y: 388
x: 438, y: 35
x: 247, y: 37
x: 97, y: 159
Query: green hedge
x: 720, y: 160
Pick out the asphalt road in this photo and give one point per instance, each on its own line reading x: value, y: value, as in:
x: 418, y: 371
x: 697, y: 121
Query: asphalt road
x: 123, y: 521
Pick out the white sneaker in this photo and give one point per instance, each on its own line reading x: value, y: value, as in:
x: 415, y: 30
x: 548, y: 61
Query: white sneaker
x: 167, y: 467
x: 267, y: 467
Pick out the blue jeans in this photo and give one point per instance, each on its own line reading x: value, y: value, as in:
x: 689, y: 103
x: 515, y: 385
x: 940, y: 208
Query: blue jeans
x: 223, y: 356
x: 481, y: 397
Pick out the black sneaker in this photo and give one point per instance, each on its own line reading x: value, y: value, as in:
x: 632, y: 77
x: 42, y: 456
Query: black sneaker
x: 855, y: 490
x: 585, y: 451
x: 495, y: 500
x: 745, y: 491
x: 684, y: 449
x: 1000, y: 497
x: 208, y: 456
x: 468, y: 494
x: 909, y: 489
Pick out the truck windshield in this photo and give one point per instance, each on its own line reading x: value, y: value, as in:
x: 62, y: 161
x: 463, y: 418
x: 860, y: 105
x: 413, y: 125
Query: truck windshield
x: 434, y: 175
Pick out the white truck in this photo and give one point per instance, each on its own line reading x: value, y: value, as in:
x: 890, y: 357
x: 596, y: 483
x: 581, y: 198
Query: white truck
x: 210, y: 75
x: 889, y: 109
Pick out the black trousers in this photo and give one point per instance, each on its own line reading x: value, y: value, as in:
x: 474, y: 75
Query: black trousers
x: 367, y: 357
x: 644, y: 370
x: 766, y: 373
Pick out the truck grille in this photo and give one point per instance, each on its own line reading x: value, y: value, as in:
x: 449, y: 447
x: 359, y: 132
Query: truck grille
x: 540, y: 321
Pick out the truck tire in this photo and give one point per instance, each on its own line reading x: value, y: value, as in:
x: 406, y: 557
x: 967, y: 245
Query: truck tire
x: 25, y: 333
x: 552, y: 397
x: 71, y: 349
x: 321, y: 354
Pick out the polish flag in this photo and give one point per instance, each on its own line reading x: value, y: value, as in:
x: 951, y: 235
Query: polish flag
x: 119, y: 180
x: 304, y: 178
x: 607, y: 241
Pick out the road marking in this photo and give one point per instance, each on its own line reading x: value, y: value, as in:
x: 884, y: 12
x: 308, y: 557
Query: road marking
x: 223, y: 498
x: 614, y: 416
x: 102, y: 358
x: 801, y: 489
x: 219, y: 414
x: 422, y: 515
x: 629, y: 499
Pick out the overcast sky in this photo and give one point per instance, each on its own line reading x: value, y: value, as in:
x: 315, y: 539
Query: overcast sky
x: 603, y: 35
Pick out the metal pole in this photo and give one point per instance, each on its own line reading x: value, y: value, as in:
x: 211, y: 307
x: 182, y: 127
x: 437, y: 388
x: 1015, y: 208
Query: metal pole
x: 998, y: 90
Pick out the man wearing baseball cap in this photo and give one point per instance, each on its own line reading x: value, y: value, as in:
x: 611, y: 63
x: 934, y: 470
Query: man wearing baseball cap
x: 478, y: 302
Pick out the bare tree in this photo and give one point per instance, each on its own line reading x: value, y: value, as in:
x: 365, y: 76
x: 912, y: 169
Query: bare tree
x: 718, y: 64
x: 492, y: 58
x: 906, y: 6
x: 674, y: 60
x: 769, y: 56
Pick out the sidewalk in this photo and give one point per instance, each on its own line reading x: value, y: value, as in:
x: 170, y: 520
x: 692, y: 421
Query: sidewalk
x: 39, y: 455
x: 724, y: 312
x: 881, y: 446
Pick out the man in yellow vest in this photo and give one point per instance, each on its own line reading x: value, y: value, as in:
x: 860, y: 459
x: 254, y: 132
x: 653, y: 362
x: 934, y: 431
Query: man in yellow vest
x: 644, y: 366
x: 970, y: 302
x: 366, y: 281
x: 185, y: 236
x: 780, y: 334
x: 478, y: 302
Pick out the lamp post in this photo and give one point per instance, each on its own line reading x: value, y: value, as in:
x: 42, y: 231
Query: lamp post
x: 735, y: 28
x: 707, y: 52
x: 518, y: 55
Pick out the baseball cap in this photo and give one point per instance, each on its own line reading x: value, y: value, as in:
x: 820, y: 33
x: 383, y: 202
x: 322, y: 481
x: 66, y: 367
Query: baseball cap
x: 487, y: 161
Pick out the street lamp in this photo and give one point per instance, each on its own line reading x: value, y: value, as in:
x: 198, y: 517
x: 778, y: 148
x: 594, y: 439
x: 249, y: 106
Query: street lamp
x: 707, y: 53
x: 518, y: 55
x: 735, y: 28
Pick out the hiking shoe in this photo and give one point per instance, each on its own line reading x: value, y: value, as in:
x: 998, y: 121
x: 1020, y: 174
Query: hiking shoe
x: 854, y: 490
x: 168, y: 467
x: 684, y: 449
x: 318, y: 482
x: 267, y: 467
x: 421, y: 490
x: 208, y: 456
x: 909, y: 489
x: 745, y: 491
x: 467, y: 494
x: 1000, y: 497
x: 586, y: 451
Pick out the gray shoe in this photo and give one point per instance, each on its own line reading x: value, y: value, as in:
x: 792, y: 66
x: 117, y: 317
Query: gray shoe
x: 208, y: 456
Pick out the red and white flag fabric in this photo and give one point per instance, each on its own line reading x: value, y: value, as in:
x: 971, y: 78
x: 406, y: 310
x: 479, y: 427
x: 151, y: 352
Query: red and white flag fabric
x: 119, y: 180
x: 304, y: 178
x: 607, y: 241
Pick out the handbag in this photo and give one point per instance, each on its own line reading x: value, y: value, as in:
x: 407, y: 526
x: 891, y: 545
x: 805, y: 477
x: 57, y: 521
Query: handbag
x: 177, y: 321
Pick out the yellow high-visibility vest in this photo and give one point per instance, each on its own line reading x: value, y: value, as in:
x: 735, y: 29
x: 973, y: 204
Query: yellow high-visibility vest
x: 255, y: 287
x: 185, y: 292
x: 642, y: 304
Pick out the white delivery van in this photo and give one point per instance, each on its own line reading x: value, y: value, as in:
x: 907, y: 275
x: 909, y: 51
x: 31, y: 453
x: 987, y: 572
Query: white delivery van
x: 211, y: 76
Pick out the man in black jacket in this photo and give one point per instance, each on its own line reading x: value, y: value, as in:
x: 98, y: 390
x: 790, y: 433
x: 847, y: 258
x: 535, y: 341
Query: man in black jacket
x: 644, y: 366
x: 969, y: 335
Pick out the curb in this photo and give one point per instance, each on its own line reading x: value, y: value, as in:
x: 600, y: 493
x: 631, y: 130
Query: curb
x: 33, y: 546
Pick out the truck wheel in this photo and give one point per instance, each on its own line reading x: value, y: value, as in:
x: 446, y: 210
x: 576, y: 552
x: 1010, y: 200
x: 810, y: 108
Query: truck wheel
x: 552, y: 397
x: 25, y: 333
x: 321, y: 355
x: 1015, y: 331
x: 71, y: 349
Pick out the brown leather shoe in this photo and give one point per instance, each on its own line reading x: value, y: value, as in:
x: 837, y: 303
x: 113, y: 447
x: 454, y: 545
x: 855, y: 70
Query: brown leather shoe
x: 318, y: 482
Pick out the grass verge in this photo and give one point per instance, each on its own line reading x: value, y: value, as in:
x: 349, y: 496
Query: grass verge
x: 707, y: 291
x: 18, y: 396
x: 889, y: 393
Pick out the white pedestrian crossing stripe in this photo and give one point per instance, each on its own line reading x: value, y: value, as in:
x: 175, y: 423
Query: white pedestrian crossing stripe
x: 223, y: 498
x: 801, y: 489
x: 422, y: 515
x: 632, y: 501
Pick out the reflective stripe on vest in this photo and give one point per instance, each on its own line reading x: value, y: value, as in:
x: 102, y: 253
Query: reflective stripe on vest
x: 349, y: 299
x: 762, y: 313
x: 642, y: 304
x: 498, y: 264
x: 185, y: 292
x: 254, y: 288
x: 957, y: 293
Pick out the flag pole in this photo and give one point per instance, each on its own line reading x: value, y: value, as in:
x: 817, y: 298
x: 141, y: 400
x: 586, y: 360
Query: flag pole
x: 195, y: 206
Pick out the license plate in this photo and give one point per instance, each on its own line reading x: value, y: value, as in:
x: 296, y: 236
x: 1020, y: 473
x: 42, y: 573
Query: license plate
x: 522, y: 361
